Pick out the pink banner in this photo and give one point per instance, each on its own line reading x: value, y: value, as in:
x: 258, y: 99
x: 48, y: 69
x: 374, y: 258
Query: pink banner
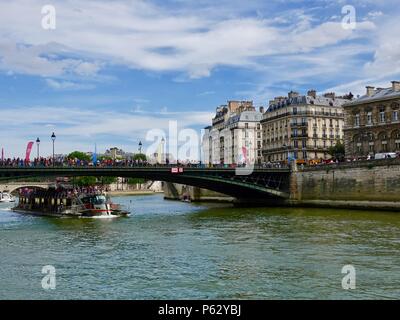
x: 28, y: 151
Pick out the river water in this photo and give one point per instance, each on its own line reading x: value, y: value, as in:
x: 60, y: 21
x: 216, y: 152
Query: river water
x: 175, y: 250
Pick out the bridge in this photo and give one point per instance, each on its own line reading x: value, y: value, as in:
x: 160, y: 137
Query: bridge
x: 265, y: 184
x: 12, y: 186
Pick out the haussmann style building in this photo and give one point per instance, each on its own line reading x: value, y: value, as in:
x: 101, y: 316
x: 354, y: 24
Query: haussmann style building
x: 234, y: 136
x: 302, y: 127
x: 372, y: 122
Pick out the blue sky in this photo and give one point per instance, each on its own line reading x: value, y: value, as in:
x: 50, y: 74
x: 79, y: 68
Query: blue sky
x: 113, y: 70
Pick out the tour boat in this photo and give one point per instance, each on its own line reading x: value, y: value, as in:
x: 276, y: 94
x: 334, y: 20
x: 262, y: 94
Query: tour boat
x: 62, y: 202
x: 6, y: 197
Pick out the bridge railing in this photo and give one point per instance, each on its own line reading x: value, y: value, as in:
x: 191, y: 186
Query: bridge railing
x: 140, y: 165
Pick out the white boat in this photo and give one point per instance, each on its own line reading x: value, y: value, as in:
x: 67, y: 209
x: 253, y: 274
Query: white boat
x: 6, y: 197
x: 64, y: 202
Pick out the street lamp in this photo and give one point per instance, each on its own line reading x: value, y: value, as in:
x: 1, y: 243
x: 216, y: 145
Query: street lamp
x: 162, y: 150
x: 38, y: 143
x: 140, y: 147
x: 53, y: 137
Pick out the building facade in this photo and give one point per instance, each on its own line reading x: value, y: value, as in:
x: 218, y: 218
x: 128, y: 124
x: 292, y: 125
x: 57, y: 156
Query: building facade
x: 235, y: 135
x: 302, y: 127
x: 372, y: 122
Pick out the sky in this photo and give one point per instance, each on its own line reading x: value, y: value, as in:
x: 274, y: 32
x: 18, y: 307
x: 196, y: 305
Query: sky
x: 111, y: 73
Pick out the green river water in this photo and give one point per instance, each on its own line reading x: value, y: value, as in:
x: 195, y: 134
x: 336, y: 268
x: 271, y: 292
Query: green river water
x: 175, y: 250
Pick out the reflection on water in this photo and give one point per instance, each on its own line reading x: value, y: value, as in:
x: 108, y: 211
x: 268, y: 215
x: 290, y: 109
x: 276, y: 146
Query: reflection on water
x: 179, y: 250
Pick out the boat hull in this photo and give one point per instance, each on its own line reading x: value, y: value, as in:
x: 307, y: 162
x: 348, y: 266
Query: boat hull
x: 66, y: 213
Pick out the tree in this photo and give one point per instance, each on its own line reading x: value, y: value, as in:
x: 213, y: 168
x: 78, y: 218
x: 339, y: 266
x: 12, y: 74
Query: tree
x: 108, y: 180
x: 79, y: 155
x: 337, y: 151
x: 134, y: 181
x: 140, y: 156
x: 85, y: 181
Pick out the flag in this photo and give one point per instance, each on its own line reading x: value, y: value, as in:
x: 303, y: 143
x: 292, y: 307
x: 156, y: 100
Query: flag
x: 94, y: 156
x: 244, y: 154
x: 28, y: 151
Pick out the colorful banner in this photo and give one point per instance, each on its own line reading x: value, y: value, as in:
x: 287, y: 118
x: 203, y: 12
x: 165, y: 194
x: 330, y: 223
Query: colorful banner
x: 28, y: 151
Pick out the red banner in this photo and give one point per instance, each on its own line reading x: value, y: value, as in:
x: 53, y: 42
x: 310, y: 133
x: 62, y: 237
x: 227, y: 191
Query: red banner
x: 28, y: 151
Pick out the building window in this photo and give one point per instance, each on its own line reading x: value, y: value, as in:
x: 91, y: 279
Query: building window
x: 357, y: 120
x: 382, y: 115
x: 369, y: 118
x: 395, y: 116
x: 246, y: 125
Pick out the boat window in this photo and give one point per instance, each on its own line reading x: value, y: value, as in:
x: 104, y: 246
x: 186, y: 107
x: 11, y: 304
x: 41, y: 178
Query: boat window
x: 99, y: 200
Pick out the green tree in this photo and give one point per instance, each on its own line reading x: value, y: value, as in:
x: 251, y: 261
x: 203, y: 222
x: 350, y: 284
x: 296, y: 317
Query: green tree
x: 79, y: 155
x: 108, y: 180
x: 85, y: 181
x: 140, y: 156
x: 337, y: 151
x: 133, y: 181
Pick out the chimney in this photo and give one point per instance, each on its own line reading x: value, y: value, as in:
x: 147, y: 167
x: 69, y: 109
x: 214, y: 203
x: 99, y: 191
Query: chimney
x: 330, y: 95
x: 293, y: 94
x: 261, y: 109
x: 396, y: 85
x: 370, y: 91
x: 312, y: 93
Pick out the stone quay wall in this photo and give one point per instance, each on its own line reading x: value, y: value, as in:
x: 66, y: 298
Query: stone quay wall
x: 368, y: 184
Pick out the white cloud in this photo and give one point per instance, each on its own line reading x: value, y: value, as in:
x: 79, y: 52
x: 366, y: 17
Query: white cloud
x: 67, y: 85
x: 143, y: 36
x: 79, y: 128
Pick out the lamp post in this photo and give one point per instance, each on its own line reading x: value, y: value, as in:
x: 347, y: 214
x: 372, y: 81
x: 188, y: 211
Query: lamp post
x: 38, y: 143
x: 53, y: 137
x: 140, y: 147
x: 162, y: 150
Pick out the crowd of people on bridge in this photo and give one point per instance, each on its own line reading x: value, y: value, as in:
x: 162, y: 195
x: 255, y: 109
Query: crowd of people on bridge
x: 67, y: 162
